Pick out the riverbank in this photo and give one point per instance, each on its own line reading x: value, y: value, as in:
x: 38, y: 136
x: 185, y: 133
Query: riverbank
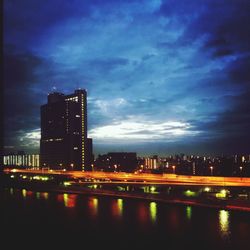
x: 226, y: 204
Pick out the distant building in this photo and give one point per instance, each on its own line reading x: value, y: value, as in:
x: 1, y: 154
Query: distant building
x: 117, y: 161
x: 152, y: 162
x: 21, y: 160
x: 64, y: 141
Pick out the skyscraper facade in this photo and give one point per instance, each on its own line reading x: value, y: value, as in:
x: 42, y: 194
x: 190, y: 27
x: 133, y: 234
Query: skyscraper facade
x: 63, y: 142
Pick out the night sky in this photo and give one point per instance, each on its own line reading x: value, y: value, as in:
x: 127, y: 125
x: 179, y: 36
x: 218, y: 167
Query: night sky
x: 162, y: 77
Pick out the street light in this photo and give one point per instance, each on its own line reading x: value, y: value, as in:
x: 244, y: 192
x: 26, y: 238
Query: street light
x: 211, y: 168
x: 44, y: 165
x: 173, y: 169
x: 241, y: 170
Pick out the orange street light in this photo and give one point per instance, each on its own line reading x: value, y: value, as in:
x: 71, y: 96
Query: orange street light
x: 173, y: 169
x: 211, y: 168
x: 241, y: 170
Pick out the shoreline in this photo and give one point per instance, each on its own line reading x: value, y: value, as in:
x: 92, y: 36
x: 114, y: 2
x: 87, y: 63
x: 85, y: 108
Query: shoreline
x: 217, y: 204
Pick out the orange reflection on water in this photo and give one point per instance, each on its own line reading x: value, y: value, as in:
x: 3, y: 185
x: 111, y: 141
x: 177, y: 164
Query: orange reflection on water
x: 174, y: 219
x: 60, y: 198
x: 45, y: 195
x: 93, y: 206
x: 26, y: 193
x: 143, y: 213
x: 117, y: 208
x: 69, y: 200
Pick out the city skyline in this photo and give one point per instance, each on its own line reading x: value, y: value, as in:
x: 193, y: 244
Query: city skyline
x: 162, y: 77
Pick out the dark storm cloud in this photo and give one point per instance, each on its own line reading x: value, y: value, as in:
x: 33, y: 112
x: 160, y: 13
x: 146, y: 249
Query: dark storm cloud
x: 230, y: 128
x: 239, y: 70
x: 223, y: 52
x: 21, y: 102
x: 224, y: 25
x: 236, y: 120
x: 18, y: 67
x: 29, y: 18
x: 233, y: 27
x: 231, y: 36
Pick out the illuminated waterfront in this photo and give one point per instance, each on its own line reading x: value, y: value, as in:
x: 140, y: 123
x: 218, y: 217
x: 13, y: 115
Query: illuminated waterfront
x: 61, y: 218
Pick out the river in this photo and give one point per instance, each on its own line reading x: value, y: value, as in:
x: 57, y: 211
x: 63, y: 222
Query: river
x: 49, y: 220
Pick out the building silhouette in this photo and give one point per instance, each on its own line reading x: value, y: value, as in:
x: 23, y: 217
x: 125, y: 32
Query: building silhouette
x: 117, y: 161
x: 64, y: 142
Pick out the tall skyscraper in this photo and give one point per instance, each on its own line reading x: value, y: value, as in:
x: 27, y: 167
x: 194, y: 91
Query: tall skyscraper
x: 64, y: 132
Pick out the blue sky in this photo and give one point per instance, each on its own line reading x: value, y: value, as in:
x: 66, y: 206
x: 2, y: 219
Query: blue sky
x: 162, y: 77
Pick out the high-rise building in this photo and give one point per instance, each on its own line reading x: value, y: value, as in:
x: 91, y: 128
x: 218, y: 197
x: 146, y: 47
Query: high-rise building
x: 63, y: 142
x: 89, y: 153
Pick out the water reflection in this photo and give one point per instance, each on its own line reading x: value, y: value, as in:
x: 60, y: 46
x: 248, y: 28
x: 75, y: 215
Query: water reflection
x: 224, y: 223
x: 174, y: 218
x: 142, y: 213
x: 45, y: 195
x: 11, y: 191
x: 24, y: 193
x: 117, y: 208
x: 137, y: 218
x: 93, y: 206
x: 29, y: 193
x: 189, y: 212
x: 60, y: 198
x: 69, y: 200
x: 153, y: 210
x: 38, y: 195
x: 120, y: 205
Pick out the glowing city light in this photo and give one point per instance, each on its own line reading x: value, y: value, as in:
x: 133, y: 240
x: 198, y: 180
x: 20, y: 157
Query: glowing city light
x: 153, y: 211
x: 224, y: 223
x: 189, y: 212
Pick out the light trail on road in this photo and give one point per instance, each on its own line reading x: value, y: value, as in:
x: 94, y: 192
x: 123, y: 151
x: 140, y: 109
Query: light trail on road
x: 145, y: 178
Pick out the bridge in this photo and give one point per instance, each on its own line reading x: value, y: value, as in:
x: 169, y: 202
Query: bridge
x: 139, y: 178
x: 213, y: 191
